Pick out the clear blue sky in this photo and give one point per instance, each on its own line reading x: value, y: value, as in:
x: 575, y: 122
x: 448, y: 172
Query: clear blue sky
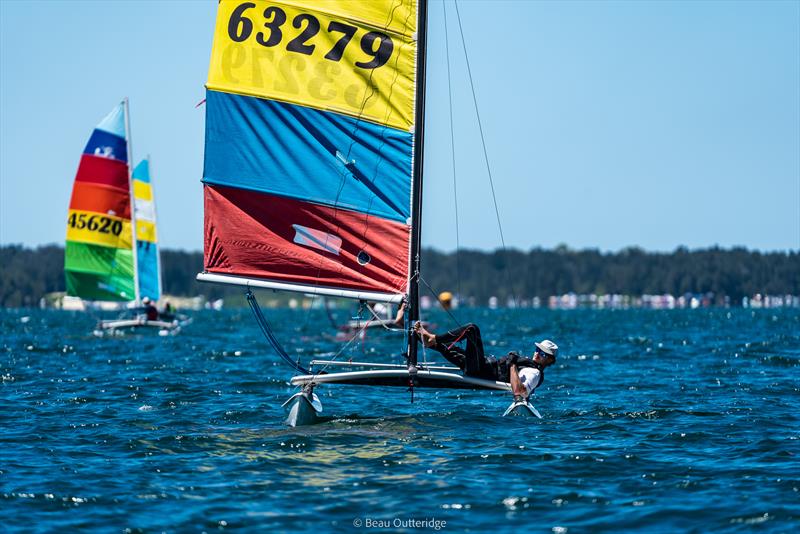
x: 608, y: 124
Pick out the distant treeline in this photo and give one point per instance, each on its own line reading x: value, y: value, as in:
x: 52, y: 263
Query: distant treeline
x: 733, y: 273
x: 26, y: 275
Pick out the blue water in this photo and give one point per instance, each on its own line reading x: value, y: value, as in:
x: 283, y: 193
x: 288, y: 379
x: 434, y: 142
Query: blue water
x: 653, y: 420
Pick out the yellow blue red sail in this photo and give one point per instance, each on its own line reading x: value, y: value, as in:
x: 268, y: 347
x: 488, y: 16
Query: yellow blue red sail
x: 99, y: 263
x: 309, y: 142
x: 147, y: 254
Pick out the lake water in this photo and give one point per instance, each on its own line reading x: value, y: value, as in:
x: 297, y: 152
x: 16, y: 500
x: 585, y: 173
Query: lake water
x: 683, y: 420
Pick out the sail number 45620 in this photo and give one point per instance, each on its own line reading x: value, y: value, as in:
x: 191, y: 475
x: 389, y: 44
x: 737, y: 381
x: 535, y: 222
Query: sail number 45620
x: 377, y: 45
x: 95, y: 223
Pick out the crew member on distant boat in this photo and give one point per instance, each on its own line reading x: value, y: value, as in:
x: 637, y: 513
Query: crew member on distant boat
x: 149, y: 309
x: 524, y: 374
x: 168, y: 313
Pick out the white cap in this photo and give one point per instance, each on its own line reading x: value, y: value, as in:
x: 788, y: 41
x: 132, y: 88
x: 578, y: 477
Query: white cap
x: 548, y: 347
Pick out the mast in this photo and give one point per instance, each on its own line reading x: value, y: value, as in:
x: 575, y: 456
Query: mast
x: 134, y: 241
x: 416, y: 192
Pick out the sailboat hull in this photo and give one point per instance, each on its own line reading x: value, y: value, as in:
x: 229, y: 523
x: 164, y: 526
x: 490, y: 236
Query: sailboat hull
x: 138, y: 323
x: 522, y: 408
x: 402, y: 378
x: 302, y: 409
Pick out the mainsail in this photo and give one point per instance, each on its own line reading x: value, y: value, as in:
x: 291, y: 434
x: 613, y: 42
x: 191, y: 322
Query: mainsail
x: 147, y: 252
x: 99, y: 263
x: 309, y: 154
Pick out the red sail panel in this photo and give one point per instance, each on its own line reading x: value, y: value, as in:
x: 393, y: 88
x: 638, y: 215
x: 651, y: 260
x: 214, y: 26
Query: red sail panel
x: 258, y: 235
x: 105, y: 171
x: 100, y: 199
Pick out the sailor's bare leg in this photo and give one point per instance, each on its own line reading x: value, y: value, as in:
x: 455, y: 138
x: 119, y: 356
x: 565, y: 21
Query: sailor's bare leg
x: 428, y: 339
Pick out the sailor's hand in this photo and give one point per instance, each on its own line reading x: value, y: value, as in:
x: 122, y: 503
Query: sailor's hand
x: 513, y: 358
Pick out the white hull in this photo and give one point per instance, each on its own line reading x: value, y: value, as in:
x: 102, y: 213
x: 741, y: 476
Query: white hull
x: 522, y: 408
x: 401, y: 377
x: 135, y: 323
x: 303, y: 408
x: 163, y: 327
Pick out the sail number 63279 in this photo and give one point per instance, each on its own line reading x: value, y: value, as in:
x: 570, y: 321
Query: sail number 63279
x: 376, y: 45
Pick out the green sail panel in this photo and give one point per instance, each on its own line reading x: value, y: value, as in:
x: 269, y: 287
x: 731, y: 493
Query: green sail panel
x: 95, y: 272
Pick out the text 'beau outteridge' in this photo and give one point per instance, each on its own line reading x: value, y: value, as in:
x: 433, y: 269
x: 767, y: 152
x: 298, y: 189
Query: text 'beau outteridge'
x: 398, y: 522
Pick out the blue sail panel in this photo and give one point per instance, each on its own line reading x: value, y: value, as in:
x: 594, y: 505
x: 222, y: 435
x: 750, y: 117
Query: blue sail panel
x: 310, y: 155
x: 147, y: 263
x: 107, y: 145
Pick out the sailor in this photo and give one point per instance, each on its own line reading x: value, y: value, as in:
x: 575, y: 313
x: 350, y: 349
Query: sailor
x: 149, y: 309
x: 168, y: 313
x: 524, y: 374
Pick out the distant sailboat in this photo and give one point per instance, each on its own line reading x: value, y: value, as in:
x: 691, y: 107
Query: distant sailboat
x: 313, y: 167
x: 105, y: 260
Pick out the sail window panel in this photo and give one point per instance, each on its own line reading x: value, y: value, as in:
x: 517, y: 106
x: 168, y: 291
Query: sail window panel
x: 107, y: 145
x: 147, y: 263
x: 318, y: 239
x: 306, y: 154
x: 352, y: 58
x: 104, y: 171
x: 145, y: 210
x: 100, y: 198
x: 253, y: 235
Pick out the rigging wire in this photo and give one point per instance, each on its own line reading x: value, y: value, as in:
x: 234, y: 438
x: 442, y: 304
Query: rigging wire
x: 341, y: 350
x: 331, y: 319
x: 452, y: 317
x: 485, y: 153
x: 267, y: 331
x: 273, y: 341
x: 452, y: 148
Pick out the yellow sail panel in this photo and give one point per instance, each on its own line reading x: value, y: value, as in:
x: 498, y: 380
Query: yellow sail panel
x: 142, y: 190
x: 397, y: 16
x: 355, y: 58
x: 99, y: 229
x: 146, y: 231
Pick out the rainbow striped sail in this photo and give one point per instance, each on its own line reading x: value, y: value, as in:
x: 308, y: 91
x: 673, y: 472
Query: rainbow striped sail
x: 99, y: 262
x: 309, y: 146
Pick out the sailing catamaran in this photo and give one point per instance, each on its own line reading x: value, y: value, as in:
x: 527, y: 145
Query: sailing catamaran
x: 105, y: 260
x: 313, y: 167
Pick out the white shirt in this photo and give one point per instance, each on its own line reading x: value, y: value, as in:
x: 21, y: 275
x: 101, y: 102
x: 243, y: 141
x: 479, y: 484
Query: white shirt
x: 529, y: 376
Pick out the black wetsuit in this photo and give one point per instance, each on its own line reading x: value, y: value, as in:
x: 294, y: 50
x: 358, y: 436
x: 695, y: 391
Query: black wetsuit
x: 472, y: 360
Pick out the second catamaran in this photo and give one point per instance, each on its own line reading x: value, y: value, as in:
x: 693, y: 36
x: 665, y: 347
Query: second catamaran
x: 111, y: 251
